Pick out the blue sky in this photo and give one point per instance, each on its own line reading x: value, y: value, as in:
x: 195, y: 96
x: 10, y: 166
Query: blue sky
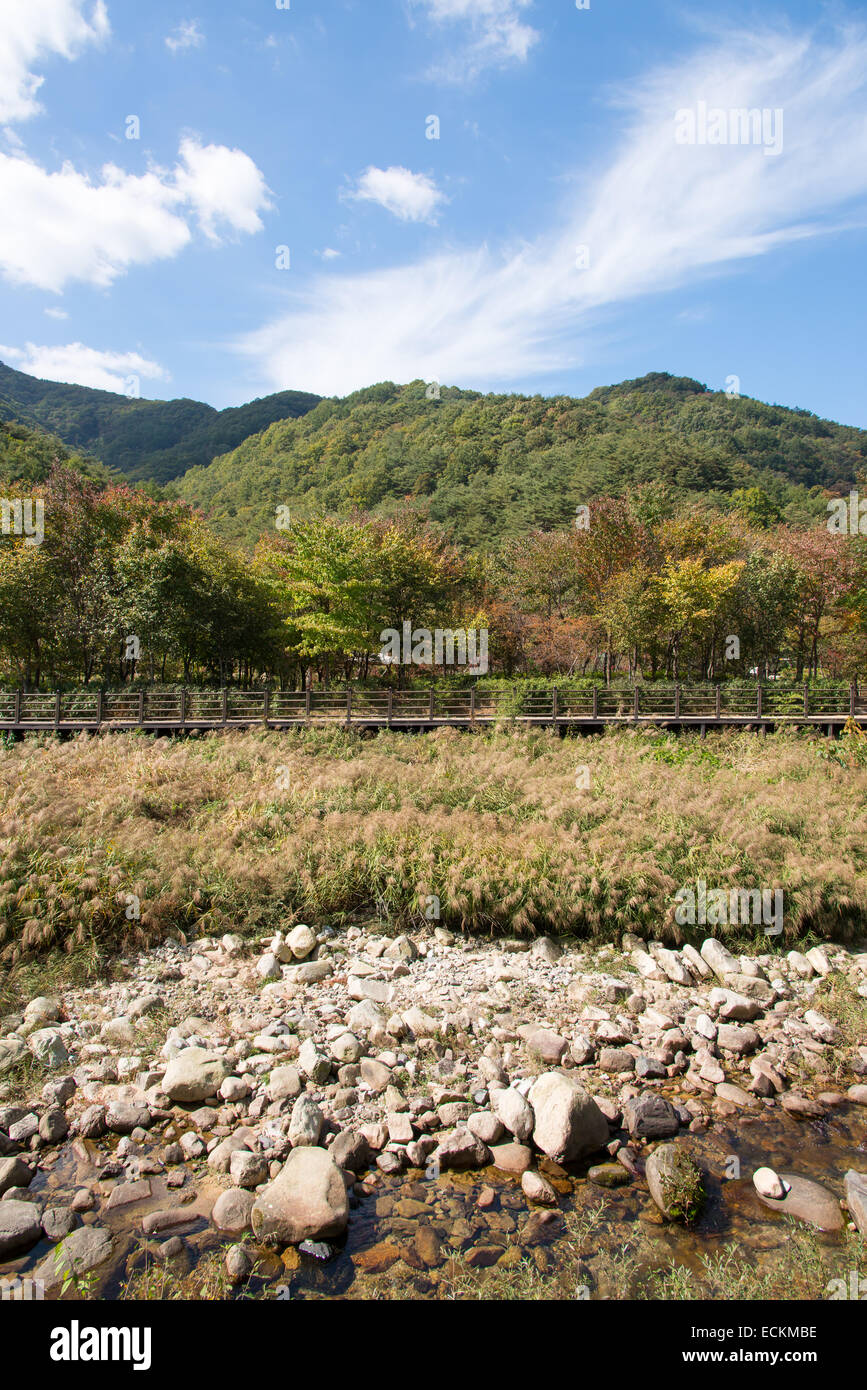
x: 568, y: 228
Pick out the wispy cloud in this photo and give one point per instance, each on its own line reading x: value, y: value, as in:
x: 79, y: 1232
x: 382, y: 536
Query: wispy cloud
x: 187, y: 35
x: 410, y: 197
x: 60, y: 227
x: 664, y: 214
x: 83, y: 366
x: 486, y: 34
x: 33, y: 31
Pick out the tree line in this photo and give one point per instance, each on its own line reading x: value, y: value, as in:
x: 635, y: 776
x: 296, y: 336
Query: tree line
x: 127, y: 588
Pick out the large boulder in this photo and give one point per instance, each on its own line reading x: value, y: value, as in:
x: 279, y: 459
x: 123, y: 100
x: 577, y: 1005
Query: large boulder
x: 194, y: 1075
x: 569, y: 1123
x: 306, y: 1201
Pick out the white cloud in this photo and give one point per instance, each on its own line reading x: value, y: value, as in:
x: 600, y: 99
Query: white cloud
x: 83, y: 366
x: 497, y: 34
x: 56, y: 313
x: 187, y: 35
x: 411, y: 197
x: 34, y: 30
x: 663, y: 215
x: 60, y: 227
x: 329, y: 254
x: 222, y: 185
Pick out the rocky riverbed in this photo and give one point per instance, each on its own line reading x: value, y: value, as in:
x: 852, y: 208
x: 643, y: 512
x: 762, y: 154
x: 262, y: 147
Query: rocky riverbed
x: 353, y: 1114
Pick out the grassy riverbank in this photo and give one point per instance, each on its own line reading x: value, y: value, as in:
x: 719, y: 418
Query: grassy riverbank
x: 111, y: 842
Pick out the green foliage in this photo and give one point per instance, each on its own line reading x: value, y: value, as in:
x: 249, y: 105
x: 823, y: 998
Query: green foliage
x: 490, y: 467
x: 142, y: 439
x: 28, y: 455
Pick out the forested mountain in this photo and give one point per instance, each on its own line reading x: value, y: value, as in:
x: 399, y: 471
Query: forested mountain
x: 485, y: 467
x: 28, y: 455
x: 142, y: 439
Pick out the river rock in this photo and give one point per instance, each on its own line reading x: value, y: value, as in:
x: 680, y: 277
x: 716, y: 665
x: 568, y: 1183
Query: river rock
x: 734, y: 1008
x: 675, y: 1182
x: 650, y: 1116
x: 461, y: 1149
x: 306, y: 1201
x: 11, y: 1052
x: 232, y: 1211
x: 569, y: 1123
x: 856, y: 1198
x: 351, y: 1150
x: 720, y: 960
x: 511, y: 1158
x: 83, y: 1250
x: 284, y: 1083
x: 14, y: 1172
x: 809, y: 1202
x: 301, y: 941
x: 48, y: 1046
x: 538, y: 1190
x: 513, y: 1112
x: 305, y: 1126
x: 20, y: 1227
x: 769, y: 1184
x: 194, y: 1075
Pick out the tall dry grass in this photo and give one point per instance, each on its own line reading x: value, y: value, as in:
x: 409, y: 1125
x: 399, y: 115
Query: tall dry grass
x: 242, y: 831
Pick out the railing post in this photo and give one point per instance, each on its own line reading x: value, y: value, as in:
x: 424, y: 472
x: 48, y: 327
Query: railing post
x: 307, y: 704
x: 431, y: 705
x: 16, y: 709
x: 141, y: 705
x: 349, y: 706
x: 677, y: 702
x: 224, y: 710
x: 390, y: 703
x: 852, y: 700
x: 555, y: 706
x: 596, y: 702
x: 759, y: 699
x: 635, y: 703
x: 473, y: 706
x: 718, y: 704
x: 57, y: 699
x: 266, y: 707
x: 183, y: 707
x: 99, y: 699
x: 806, y: 699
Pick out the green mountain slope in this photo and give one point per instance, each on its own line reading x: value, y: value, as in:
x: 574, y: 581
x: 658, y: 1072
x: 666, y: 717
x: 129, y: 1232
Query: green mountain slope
x: 489, y: 466
x: 27, y: 455
x: 143, y: 439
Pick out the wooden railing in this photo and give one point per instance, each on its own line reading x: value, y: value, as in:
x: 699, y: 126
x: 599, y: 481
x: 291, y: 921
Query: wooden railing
x: 683, y: 705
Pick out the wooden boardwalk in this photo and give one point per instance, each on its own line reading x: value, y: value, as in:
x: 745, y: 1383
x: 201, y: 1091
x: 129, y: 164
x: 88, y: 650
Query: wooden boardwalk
x: 761, y: 707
